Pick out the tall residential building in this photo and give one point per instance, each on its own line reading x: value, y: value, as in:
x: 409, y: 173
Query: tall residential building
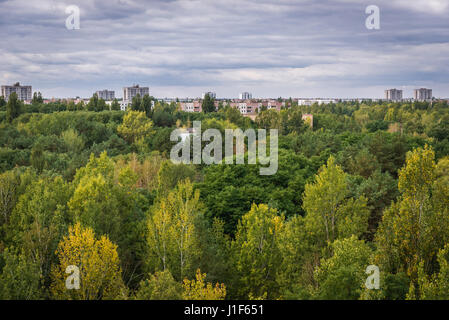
x: 245, y: 96
x: 213, y: 95
x: 393, y: 95
x: 130, y: 92
x: 422, y: 94
x: 23, y: 92
x: 106, y: 95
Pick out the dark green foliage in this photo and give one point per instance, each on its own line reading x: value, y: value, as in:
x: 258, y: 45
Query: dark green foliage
x: 13, y: 107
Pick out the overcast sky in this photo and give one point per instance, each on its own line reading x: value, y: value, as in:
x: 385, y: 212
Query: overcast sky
x: 271, y: 48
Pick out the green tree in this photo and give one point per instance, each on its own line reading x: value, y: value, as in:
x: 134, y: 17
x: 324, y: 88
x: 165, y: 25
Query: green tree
x: 146, y: 104
x: 115, y: 105
x: 329, y: 208
x: 73, y: 141
x: 172, y: 233
x: 20, y: 278
x: 2, y: 101
x: 435, y: 287
x: 9, y: 183
x: 170, y: 174
x: 136, y: 103
x: 37, y: 98
x: 342, y: 276
x: 160, y: 286
x: 208, y: 104
x: 256, y: 253
x: 39, y: 219
x: 416, y: 227
x: 98, y: 263
x: 13, y: 107
x: 199, y: 290
x: 135, y: 126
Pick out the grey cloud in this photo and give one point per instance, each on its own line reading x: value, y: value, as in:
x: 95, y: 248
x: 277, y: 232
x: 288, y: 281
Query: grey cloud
x: 287, y: 47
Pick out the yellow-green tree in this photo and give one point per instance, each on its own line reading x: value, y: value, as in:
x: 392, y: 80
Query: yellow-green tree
x: 199, y: 290
x: 172, y: 232
x: 160, y: 286
x: 436, y: 287
x: 98, y: 263
x: 342, y: 275
x: 330, y: 213
x: 135, y: 126
x: 95, y: 204
x: 39, y: 220
x: 415, y: 228
x: 256, y: 253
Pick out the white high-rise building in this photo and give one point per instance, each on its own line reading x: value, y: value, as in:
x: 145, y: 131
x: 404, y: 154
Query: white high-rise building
x: 245, y: 96
x: 23, y: 92
x: 393, y: 95
x: 422, y: 94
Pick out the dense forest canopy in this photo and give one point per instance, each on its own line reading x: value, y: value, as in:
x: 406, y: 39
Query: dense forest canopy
x: 93, y: 186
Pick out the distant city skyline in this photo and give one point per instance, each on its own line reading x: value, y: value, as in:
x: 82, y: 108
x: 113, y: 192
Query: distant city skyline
x: 180, y: 48
x: 131, y: 91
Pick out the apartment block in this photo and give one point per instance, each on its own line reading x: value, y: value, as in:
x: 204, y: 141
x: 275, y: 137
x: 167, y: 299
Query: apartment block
x: 23, y: 92
x: 106, y: 95
x: 130, y: 92
x: 422, y: 94
x: 245, y: 96
x: 393, y: 95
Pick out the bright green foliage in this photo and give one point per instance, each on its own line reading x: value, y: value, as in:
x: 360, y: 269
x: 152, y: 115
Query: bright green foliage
x: 256, y: 253
x: 173, y: 237
x: 135, y: 125
x: 416, y: 227
x: 73, y: 141
x: 342, y: 276
x: 105, y: 200
x: 39, y: 220
x: 328, y: 211
x: 94, y: 204
x: 102, y: 165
